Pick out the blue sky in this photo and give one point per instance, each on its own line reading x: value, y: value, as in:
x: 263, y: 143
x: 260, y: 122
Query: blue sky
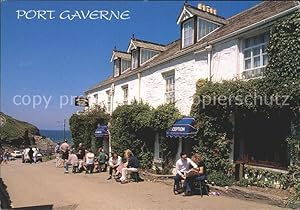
x: 60, y: 58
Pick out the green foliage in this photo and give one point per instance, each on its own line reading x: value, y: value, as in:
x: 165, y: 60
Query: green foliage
x: 131, y: 129
x: 162, y: 119
x: 295, y: 196
x: 220, y: 179
x: 164, y: 116
x: 293, y: 145
x: 282, y: 78
x: 134, y: 127
x: 243, y: 182
x: 266, y: 178
x: 83, y: 126
x: 15, y: 132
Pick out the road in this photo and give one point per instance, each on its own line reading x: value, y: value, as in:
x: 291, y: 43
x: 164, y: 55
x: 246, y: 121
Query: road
x: 43, y: 184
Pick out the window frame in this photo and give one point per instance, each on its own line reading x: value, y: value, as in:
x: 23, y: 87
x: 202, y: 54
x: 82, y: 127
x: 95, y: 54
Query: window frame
x: 125, y: 94
x: 169, y: 92
x: 96, y: 98
x: 150, y: 52
x: 129, y: 66
x: 207, y: 21
x: 109, y: 101
x: 258, y: 71
x: 183, y: 38
x: 136, y: 52
x: 117, y: 70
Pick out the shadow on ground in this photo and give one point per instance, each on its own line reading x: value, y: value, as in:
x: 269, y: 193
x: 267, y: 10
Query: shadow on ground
x: 5, y: 202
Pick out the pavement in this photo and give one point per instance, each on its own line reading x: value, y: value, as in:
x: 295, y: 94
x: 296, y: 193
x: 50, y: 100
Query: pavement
x: 43, y: 184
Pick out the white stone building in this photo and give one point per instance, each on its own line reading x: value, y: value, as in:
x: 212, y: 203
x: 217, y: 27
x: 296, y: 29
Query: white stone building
x: 210, y: 47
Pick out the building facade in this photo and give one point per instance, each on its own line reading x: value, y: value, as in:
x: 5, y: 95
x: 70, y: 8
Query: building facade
x: 210, y: 47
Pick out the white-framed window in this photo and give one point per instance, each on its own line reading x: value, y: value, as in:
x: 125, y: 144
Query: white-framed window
x: 170, y: 88
x: 205, y: 27
x: 125, y: 94
x: 134, y: 61
x: 255, y: 56
x: 116, y: 67
x: 188, y: 33
x: 95, y: 98
x: 108, y: 101
x: 146, y: 55
x: 125, y: 65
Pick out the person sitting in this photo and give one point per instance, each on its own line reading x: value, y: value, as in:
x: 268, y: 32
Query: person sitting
x: 114, y: 162
x: 182, y: 166
x: 130, y: 166
x: 80, y: 152
x: 198, y: 173
x: 73, y: 161
x: 102, y: 160
x: 89, y: 161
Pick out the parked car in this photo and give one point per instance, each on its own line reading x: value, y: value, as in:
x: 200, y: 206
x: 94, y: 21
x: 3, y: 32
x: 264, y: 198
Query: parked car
x: 16, y: 154
x: 25, y: 156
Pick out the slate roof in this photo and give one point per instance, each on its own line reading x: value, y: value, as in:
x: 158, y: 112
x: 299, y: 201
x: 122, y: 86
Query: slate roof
x: 239, y: 21
x: 148, y: 45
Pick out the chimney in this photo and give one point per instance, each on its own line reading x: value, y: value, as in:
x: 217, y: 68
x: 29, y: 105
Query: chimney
x: 214, y: 11
x: 200, y: 6
x: 207, y: 9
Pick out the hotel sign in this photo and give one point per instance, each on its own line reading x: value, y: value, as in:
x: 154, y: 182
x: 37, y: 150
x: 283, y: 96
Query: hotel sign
x: 180, y: 129
x: 81, y: 101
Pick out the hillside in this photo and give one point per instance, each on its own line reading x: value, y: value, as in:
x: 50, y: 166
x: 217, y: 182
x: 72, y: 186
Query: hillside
x: 15, y: 132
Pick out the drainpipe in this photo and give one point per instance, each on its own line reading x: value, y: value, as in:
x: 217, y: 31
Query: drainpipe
x: 139, y: 87
x: 209, y: 59
x: 112, y: 97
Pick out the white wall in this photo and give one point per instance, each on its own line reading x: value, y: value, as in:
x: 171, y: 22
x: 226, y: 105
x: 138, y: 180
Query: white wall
x: 225, y: 60
x: 225, y: 65
x: 188, y: 70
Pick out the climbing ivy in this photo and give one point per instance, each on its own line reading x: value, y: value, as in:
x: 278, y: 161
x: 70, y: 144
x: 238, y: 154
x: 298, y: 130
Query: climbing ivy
x: 281, y: 80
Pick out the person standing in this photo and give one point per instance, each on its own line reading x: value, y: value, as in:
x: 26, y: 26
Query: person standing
x: 182, y: 166
x: 102, y: 159
x: 64, y: 148
x: 57, y: 155
x: 114, y: 161
x: 35, y: 152
x: 5, y: 156
x: 30, y: 154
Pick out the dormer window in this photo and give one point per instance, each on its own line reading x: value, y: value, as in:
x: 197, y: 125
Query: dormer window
x: 134, y: 60
x: 117, y: 67
x: 125, y: 65
x: 147, y: 54
x: 205, y: 27
x: 188, y: 33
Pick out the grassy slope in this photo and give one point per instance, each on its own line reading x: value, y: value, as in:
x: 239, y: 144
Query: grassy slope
x: 13, y: 130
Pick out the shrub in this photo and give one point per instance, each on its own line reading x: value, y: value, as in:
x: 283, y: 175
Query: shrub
x: 243, y: 182
x: 220, y: 179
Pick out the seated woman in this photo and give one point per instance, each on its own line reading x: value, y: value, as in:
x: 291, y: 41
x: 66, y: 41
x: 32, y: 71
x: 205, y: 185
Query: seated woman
x: 130, y: 166
x: 198, y: 173
x: 73, y: 161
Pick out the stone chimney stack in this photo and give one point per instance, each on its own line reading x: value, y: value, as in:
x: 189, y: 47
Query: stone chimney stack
x: 207, y: 9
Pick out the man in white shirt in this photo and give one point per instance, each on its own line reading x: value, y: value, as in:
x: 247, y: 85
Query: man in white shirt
x: 89, y: 161
x: 114, y: 161
x: 182, y: 165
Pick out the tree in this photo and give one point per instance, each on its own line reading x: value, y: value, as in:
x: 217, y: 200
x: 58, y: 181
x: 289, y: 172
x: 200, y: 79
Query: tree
x: 83, y: 126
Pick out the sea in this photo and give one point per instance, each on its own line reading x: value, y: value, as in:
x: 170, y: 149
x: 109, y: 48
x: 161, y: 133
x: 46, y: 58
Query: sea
x: 57, y: 135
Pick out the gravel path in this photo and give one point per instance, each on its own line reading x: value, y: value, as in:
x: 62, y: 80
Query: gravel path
x: 43, y: 184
